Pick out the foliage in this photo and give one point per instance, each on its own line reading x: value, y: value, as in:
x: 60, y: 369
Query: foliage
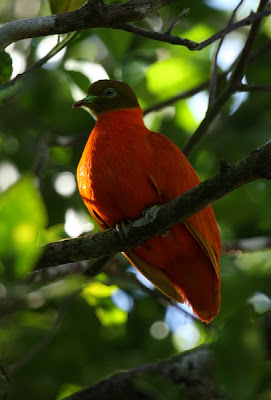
x: 90, y: 329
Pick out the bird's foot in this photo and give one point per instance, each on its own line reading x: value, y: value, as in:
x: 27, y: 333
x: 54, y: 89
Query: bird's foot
x: 122, y: 228
x: 150, y: 213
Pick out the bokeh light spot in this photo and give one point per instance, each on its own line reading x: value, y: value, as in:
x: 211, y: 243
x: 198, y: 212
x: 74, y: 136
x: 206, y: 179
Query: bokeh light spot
x: 159, y: 330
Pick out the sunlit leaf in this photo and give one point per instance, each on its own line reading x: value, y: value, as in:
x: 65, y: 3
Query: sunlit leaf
x: 111, y: 316
x: 167, y: 77
x: 184, y: 117
x: 22, y: 215
x: 97, y: 290
x: 200, y: 32
x: 98, y: 296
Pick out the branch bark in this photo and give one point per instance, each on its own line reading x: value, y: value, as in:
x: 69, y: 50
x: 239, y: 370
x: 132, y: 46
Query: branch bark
x: 230, y: 177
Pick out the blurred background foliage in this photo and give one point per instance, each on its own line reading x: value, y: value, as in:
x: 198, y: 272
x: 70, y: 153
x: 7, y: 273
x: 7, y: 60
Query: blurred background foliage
x: 59, y: 336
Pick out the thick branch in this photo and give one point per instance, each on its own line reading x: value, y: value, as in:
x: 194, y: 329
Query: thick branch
x: 256, y: 165
x: 92, y: 15
x: 189, y: 372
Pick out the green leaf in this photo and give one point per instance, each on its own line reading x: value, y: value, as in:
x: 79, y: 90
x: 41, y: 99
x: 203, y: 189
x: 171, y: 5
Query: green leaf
x: 5, y: 67
x: 22, y: 215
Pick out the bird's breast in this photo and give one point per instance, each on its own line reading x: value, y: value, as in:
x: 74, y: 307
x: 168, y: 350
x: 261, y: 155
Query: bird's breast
x: 113, y: 176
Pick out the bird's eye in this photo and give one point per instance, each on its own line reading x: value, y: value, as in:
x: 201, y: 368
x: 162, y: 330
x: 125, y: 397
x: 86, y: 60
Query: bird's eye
x: 109, y: 92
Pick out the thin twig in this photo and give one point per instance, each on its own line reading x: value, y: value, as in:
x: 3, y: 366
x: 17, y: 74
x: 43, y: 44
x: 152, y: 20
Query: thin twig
x: 191, y: 92
x: 5, y: 374
x: 174, y: 99
x: 56, y: 49
x: 252, y: 88
x: 213, y: 83
x: 183, y: 14
x: 159, y: 36
x: 249, y: 20
x: 247, y: 245
x: 66, y: 141
x: 190, y: 44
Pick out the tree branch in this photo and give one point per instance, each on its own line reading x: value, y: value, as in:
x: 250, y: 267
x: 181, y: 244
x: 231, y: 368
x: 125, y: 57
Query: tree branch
x: 253, y: 88
x: 190, y: 373
x: 159, y: 36
x: 256, y: 165
x: 213, y: 82
x: 92, y: 14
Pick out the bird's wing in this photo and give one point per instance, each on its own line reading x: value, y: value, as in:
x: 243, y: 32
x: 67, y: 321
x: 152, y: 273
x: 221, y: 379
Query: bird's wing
x: 173, y: 176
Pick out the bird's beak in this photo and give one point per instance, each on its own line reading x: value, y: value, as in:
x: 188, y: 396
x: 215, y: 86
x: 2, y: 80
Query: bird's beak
x: 84, y: 102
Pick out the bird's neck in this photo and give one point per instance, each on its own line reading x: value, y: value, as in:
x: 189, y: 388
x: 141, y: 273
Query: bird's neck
x: 118, y: 122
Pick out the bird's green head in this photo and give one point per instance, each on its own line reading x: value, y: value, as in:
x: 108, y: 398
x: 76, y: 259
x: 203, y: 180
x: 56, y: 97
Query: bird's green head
x: 108, y: 95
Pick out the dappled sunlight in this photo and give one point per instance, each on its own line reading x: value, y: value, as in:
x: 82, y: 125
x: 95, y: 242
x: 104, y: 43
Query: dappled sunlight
x: 186, y: 336
x: 77, y: 223
x: 9, y: 174
x: 230, y: 49
x: 65, y: 184
x: 198, y: 105
x: 230, y: 5
x: 91, y: 70
x: 159, y: 330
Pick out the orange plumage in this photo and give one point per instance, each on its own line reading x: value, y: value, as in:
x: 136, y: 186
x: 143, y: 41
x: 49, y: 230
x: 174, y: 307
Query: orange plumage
x: 126, y: 168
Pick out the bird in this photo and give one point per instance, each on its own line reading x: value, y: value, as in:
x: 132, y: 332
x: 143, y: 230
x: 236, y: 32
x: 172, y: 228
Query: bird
x: 125, y: 168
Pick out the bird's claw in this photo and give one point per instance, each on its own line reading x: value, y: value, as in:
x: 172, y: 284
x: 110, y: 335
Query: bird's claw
x: 148, y: 215
x: 122, y: 228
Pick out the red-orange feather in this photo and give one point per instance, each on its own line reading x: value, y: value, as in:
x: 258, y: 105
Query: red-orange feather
x: 126, y: 168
